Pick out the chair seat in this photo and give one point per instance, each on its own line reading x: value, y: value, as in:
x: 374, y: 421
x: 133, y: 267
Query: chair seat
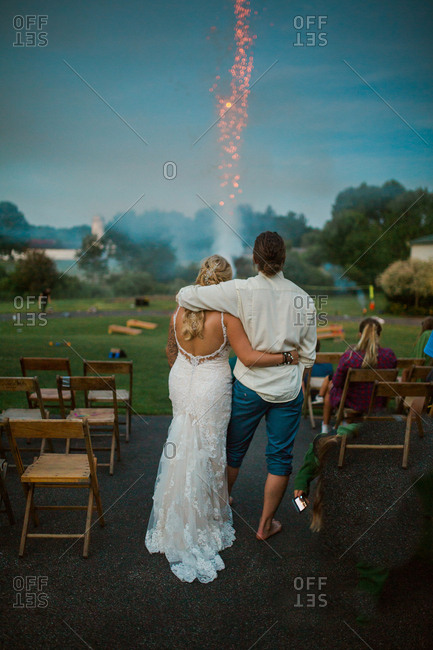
x: 351, y: 413
x: 408, y: 401
x: 95, y: 415
x: 316, y: 382
x: 51, y: 394
x: 58, y: 468
x: 107, y: 396
x: 21, y: 414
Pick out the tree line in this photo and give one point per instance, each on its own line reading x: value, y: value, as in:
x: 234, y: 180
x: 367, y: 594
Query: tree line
x: 369, y: 229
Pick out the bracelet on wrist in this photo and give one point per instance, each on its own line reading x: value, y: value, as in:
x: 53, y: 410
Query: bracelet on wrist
x: 287, y: 358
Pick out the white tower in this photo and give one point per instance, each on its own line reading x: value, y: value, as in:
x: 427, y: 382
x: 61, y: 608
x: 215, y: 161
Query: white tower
x: 98, y: 226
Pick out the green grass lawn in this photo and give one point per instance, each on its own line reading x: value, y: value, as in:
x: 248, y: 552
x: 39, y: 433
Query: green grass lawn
x: 157, y: 303
x: 400, y: 338
x: 338, y: 305
x: 348, y: 304
x: 89, y: 340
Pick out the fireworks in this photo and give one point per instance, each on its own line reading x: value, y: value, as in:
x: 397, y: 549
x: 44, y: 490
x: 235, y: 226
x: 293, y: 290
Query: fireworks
x: 233, y: 110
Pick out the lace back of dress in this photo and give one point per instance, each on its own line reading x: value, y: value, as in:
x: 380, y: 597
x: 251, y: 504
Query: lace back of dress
x: 195, y: 360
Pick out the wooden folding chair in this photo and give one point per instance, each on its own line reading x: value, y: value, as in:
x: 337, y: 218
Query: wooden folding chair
x: 56, y: 471
x: 408, y: 362
x: 99, y: 419
x: 28, y: 385
x: 403, y: 390
x: 419, y: 373
x: 405, y: 365
x: 365, y: 375
x: 51, y: 365
x: 314, y: 383
x: 4, y: 496
x: 124, y: 396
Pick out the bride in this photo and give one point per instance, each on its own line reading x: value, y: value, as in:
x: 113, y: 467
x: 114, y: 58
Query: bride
x: 191, y: 519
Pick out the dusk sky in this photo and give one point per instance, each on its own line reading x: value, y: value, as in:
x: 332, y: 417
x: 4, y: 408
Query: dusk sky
x: 314, y: 126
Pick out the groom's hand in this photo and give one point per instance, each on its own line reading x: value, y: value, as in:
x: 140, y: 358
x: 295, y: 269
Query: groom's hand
x: 295, y: 356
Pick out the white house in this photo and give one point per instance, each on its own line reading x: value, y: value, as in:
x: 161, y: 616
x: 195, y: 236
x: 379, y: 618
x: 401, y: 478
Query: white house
x: 63, y: 257
x: 422, y: 248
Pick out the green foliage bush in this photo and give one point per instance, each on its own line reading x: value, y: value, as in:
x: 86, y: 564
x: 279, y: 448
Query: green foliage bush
x: 130, y: 284
x: 299, y: 270
x: 32, y: 273
x: 408, y: 283
x: 371, y: 227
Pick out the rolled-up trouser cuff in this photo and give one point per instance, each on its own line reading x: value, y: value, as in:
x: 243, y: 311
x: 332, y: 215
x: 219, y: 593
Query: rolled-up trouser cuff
x: 234, y: 462
x: 278, y: 470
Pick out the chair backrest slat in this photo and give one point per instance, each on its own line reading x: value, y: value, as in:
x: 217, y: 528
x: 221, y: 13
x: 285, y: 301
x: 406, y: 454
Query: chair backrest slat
x: 56, y: 364
x: 110, y: 368
x: 407, y: 362
x: 402, y: 389
x: 107, y: 367
x: 328, y: 357
x: 90, y: 382
x: 419, y: 372
x: 16, y: 384
x: 371, y: 374
x: 26, y: 385
x: 46, y: 428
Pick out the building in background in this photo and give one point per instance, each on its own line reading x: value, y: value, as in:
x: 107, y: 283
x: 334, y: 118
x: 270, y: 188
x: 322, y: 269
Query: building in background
x: 98, y: 228
x: 51, y: 250
x: 422, y: 248
x: 63, y: 256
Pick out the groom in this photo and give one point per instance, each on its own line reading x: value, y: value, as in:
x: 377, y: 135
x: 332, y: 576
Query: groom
x: 277, y: 316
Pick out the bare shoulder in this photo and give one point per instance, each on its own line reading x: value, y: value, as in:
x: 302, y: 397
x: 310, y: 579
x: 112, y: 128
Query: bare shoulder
x: 177, y: 314
x: 213, y: 316
x: 212, y: 321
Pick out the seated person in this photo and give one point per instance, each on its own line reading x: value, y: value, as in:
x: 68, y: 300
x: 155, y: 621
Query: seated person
x: 421, y: 342
x: 419, y: 346
x: 366, y: 354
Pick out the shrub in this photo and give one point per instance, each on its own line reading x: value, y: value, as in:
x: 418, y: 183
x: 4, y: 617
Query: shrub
x: 132, y: 284
x: 34, y: 272
x: 301, y: 272
x: 409, y: 282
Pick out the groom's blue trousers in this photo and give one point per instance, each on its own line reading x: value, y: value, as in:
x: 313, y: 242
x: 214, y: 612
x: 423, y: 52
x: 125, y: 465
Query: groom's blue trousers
x: 282, y: 424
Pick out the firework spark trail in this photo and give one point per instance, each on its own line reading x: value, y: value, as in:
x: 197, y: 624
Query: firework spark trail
x: 233, y: 110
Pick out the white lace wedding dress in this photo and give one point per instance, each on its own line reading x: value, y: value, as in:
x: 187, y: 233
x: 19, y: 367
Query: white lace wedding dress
x: 191, y: 520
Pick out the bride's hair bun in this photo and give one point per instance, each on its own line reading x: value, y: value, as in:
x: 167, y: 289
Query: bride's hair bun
x: 213, y: 270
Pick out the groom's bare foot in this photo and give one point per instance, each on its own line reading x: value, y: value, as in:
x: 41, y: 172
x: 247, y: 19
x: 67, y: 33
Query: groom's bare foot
x: 267, y: 531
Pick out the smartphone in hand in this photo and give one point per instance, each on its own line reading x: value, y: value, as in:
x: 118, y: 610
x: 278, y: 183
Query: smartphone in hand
x: 300, y: 503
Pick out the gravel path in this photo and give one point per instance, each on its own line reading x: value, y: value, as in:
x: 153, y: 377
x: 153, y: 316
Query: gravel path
x: 122, y: 597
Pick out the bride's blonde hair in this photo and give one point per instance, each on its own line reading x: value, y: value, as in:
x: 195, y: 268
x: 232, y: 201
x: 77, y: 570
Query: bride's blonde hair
x: 213, y: 270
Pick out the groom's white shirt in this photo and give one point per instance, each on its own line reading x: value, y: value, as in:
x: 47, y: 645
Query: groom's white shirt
x: 277, y: 315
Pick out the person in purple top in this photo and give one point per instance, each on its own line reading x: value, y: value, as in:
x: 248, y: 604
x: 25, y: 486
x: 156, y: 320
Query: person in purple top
x: 366, y: 354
